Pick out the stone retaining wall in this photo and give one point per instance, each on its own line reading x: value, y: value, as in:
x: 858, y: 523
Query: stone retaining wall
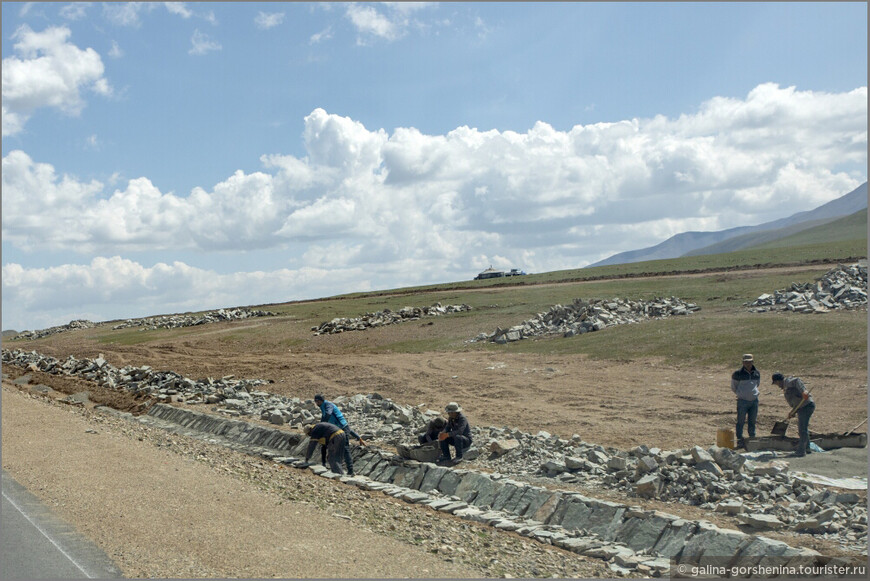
x: 632, y: 538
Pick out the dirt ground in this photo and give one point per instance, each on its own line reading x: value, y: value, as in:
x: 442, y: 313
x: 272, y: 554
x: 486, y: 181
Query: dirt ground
x: 613, y: 403
x: 620, y: 404
x: 166, y: 506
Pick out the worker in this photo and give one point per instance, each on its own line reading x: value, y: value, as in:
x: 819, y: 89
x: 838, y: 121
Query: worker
x: 456, y: 432
x: 427, y: 450
x: 334, y: 441
x: 744, y: 384
x: 432, y: 430
x: 802, y: 404
x: 330, y: 413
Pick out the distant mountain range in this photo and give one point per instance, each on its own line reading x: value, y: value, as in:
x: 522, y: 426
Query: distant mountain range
x: 694, y: 243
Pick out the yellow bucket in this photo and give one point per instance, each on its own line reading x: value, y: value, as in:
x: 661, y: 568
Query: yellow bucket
x: 725, y: 438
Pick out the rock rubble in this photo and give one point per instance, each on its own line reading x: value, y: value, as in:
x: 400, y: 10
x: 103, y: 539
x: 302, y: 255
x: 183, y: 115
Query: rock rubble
x: 176, y: 321
x: 716, y: 479
x: 586, y: 316
x: 151, y: 323
x: 385, y: 317
x: 843, y: 287
x: 71, y: 326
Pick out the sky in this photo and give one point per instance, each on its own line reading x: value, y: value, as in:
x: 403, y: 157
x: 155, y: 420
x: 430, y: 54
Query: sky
x: 169, y: 157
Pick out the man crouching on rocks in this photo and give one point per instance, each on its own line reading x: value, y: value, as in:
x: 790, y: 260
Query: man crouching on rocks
x: 457, y: 433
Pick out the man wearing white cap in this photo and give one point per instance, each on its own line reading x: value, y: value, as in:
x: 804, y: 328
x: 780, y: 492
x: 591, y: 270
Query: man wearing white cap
x: 744, y: 384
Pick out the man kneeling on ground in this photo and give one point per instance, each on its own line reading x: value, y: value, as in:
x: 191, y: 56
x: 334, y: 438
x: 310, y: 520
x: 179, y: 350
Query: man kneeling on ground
x: 427, y: 451
x: 456, y: 433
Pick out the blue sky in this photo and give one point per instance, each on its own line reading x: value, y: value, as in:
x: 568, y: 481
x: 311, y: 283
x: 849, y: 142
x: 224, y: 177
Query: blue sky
x: 169, y: 157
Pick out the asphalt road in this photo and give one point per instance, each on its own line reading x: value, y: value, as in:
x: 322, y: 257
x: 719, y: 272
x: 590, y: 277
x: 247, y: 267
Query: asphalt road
x: 35, y: 544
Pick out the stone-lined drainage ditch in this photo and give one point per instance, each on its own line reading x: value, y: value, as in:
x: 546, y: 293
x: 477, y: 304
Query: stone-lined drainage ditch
x: 630, y: 538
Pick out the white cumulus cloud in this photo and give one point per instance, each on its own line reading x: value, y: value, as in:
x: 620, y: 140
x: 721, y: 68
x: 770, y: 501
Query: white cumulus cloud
x: 48, y: 71
x: 408, y: 208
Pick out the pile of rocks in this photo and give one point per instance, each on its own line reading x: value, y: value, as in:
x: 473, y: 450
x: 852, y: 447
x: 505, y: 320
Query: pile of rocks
x: 152, y: 323
x: 844, y: 287
x: 385, y: 317
x: 71, y: 326
x: 161, y: 385
x: 586, y: 316
x: 175, y: 321
x: 763, y: 492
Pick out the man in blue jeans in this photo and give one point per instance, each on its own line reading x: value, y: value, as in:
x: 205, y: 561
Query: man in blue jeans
x: 802, y: 404
x: 744, y: 384
x: 330, y: 413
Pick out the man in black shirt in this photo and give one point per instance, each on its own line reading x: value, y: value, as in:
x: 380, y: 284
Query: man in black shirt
x: 335, y: 441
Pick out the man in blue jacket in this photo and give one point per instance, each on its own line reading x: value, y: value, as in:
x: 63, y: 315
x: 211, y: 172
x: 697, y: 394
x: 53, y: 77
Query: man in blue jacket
x: 330, y: 413
x: 744, y: 384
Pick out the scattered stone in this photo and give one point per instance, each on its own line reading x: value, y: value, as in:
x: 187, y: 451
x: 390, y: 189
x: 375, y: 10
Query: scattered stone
x: 761, y: 521
x: 586, y: 316
x: 843, y: 287
x: 385, y: 317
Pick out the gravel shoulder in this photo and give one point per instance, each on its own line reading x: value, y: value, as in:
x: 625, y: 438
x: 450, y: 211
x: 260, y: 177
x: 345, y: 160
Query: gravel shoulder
x: 166, y: 506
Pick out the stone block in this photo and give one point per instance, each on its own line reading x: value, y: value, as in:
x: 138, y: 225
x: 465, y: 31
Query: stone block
x: 710, y: 544
x: 605, y: 518
x: 474, y: 485
x: 648, y: 486
x: 673, y: 539
x: 641, y: 534
x: 519, y: 503
x: 646, y: 464
x: 597, y: 457
x: 501, y: 447
x: 448, y: 483
x: 546, y: 510
x: 575, y: 515
x: 730, y: 507
x: 616, y: 463
x: 432, y: 478
x: 760, y: 521
x: 413, y: 477
x: 699, y: 454
x: 709, y: 466
x: 502, y: 497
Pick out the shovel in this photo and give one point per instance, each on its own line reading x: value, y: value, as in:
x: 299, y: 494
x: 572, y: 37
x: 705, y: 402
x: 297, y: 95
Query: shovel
x: 856, y: 427
x: 779, y: 428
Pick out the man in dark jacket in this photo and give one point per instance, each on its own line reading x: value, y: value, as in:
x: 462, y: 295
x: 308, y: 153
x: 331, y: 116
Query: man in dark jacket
x: 796, y: 394
x: 744, y: 384
x: 457, y: 433
x: 432, y: 430
x: 333, y: 439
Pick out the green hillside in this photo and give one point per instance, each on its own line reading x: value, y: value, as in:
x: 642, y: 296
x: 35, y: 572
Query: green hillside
x: 852, y: 227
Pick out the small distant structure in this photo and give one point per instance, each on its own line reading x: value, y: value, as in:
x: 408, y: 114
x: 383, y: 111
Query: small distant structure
x: 489, y: 273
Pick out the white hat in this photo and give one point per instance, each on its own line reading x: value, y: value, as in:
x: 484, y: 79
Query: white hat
x: 452, y: 407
